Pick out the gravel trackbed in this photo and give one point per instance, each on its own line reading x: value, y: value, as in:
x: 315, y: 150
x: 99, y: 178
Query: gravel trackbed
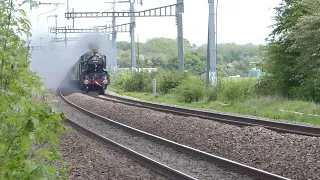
x: 185, y: 163
x: 91, y: 159
x: 289, y: 155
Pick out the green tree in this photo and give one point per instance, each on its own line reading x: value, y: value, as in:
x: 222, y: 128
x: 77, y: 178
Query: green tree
x: 123, y: 45
x: 193, y: 62
x: 163, y: 53
x: 306, y: 40
x: 290, y: 60
x: 30, y: 128
x: 124, y: 59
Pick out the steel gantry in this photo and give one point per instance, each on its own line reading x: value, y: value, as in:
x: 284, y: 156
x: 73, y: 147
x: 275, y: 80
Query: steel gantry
x: 100, y: 29
x: 165, y: 11
x: 36, y: 48
x: 175, y: 10
x: 64, y: 39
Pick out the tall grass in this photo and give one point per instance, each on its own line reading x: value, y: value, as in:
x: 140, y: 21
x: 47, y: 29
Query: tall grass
x: 230, y: 90
x: 186, y: 87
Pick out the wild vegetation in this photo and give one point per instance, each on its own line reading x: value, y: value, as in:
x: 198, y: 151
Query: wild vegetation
x: 29, y: 126
x: 291, y: 84
x: 242, y: 96
x: 292, y: 59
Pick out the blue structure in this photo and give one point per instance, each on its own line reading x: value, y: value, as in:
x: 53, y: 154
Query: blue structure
x: 254, y: 72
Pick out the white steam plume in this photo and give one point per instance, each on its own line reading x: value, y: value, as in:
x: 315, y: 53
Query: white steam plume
x: 53, y: 63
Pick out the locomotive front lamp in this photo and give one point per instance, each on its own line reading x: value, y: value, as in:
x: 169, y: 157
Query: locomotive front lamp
x: 105, y: 81
x: 86, y: 81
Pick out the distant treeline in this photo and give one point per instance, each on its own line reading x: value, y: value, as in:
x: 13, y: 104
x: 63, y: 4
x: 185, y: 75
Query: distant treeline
x: 233, y: 59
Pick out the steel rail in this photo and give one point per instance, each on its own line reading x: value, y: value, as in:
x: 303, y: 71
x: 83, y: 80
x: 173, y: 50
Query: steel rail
x: 283, y: 127
x: 220, y: 161
x: 157, y: 166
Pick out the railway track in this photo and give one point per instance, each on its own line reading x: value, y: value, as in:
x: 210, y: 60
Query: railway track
x: 224, y: 118
x: 161, y: 167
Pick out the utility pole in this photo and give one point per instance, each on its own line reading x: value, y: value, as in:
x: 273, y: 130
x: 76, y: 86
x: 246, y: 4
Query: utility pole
x: 138, y: 44
x: 65, y: 38
x: 56, y: 24
x: 211, y: 74
x: 67, y: 5
x: 114, y: 42
x: 133, y: 43
x: 180, y: 34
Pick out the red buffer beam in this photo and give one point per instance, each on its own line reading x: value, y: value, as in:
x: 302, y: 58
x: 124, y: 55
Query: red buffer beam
x: 164, y: 11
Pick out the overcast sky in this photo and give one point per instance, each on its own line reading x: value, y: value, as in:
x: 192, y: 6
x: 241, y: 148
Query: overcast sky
x: 239, y: 21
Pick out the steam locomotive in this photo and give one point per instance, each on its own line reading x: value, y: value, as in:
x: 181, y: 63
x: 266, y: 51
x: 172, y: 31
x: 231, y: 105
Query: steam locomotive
x: 89, y: 72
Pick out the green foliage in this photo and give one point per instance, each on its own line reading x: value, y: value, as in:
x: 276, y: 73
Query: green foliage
x: 122, y: 78
x: 231, y: 90
x: 29, y: 127
x: 292, y: 62
x: 194, y: 63
x: 139, y: 81
x: 162, y: 53
x: 265, y: 86
x: 191, y: 89
x: 142, y: 81
x: 186, y: 87
x: 168, y: 80
x: 212, y: 93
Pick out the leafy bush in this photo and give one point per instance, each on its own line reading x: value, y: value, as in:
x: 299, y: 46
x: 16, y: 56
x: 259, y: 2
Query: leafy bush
x: 121, y: 79
x: 231, y: 90
x: 211, y: 93
x: 142, y: 81
x: 310, y: 88
x: 139, y: 81
x: 30, y: 128
x: 169, y: 80
x: 191, y: 89
x: 266, y: 85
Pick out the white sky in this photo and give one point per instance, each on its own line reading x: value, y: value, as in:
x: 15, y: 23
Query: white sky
x: 239, y: 21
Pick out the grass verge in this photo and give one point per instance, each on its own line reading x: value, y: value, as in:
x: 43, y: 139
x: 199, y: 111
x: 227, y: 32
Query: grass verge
x: 268, y: 107
x: 246, y: 96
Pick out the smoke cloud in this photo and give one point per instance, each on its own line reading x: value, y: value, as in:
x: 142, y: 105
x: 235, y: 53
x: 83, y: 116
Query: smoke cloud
x: 53, y: 63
